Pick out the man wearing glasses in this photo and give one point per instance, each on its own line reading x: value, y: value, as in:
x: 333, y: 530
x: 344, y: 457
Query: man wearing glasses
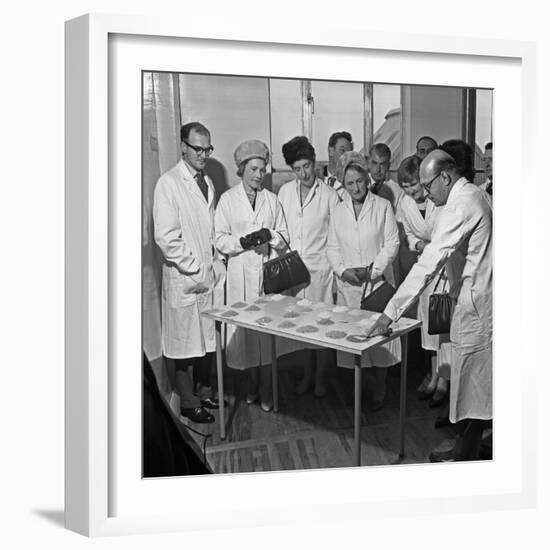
x: 463, y: 231
x: 183, y: 214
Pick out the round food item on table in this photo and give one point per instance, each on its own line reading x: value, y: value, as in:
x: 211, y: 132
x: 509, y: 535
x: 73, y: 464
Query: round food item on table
x: 264, y: 320
x: 230, y: 313
x: 357, y: 338
x: 304, y: 302
x: 238, y: 304
x: 355, y: 312
x: 325, y: 321
x: 261, y: 301
x: 291, y: 315
x: 277, y: 297
x: 336, y: 334
x: 287, y: 324
x: 339, y: 309
x: 305, y: 329
x: 324, y: 315
x: 252, y: 308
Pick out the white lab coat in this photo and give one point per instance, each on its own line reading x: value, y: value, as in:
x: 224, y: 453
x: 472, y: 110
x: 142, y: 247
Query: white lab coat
x: 464, y: 226
x: 308, y: 226
x: 391, y: 191
x: 192, y: 275
x: 235, y: 219
x: 372, y: 238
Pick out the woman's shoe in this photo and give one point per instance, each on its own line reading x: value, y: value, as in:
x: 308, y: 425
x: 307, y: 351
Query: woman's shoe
x: 439, y: 397
x: 267, y: 405
x: 251, y: 398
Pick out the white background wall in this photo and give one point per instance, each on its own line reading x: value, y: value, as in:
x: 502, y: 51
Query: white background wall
x: 31, y: 402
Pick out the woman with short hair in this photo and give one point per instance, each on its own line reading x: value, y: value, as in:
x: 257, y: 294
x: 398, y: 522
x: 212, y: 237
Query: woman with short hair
x: 308, y: 204
x: 363, y: 231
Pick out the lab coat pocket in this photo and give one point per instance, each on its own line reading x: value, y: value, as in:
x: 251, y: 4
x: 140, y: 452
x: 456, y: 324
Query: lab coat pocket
x: 467, y: 328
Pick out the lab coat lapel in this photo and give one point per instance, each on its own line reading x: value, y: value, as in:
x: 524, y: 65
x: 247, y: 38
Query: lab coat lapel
x: 243, y: 198
x: 367, y: 206
x: 311, y: 193
x: 260, y: 203
x: 190, y: 182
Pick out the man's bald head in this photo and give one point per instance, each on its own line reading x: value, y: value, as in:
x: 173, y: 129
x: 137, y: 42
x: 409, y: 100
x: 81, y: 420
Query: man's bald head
x: 438, y: 175
x: 435, y: 162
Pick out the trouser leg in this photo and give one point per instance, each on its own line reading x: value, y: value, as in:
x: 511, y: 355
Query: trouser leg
x: 184, y: 383
x: 202, y: 370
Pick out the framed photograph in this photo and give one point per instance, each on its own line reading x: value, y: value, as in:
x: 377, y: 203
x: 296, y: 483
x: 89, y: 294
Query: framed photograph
x: 131, y: 84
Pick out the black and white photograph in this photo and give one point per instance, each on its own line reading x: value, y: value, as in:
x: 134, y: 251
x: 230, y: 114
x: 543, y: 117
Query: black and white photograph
x: 316, y: 274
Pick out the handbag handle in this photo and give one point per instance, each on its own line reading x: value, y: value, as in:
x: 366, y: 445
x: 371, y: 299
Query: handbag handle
x: 367, y: 281
x: 439, y: 279
x: 285, y: 241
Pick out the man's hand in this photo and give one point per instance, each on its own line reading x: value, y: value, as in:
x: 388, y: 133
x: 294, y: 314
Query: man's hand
x: 350, y: 276
x: 381, y: 327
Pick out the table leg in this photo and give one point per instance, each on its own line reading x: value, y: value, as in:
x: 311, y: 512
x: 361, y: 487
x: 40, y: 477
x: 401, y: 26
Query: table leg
x: 274, y: 375
x: 219, y: 370
x: 403, y: 395
x: 357, y: 414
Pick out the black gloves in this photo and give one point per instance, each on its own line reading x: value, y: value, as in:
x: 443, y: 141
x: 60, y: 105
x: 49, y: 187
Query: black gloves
x: 256, y: 238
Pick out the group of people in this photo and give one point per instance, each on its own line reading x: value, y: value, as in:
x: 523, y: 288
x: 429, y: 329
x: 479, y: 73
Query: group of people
x: 353, y: 224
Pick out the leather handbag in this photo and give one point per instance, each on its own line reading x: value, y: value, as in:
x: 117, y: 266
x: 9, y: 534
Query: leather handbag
x: 285, y: 272
x: 378, y: 298
x: 440, y: 309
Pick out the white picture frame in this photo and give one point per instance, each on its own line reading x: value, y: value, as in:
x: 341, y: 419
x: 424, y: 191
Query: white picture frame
x: 102, y: 428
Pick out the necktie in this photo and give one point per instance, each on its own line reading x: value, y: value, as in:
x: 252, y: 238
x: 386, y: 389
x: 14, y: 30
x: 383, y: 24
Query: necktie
x: 331, y: 181
x: 203, y: 186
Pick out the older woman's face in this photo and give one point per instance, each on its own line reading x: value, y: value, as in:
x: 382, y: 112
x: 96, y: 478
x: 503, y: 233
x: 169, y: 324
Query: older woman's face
x: 414, y: 189
x: 355, y: 184
x: 254, y: 173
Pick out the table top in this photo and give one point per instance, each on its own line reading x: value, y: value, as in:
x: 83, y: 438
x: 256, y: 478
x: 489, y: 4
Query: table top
x: 327, y: 325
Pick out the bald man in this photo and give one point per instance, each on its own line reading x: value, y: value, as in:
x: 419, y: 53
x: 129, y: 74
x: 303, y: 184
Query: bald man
x: 463, y: 233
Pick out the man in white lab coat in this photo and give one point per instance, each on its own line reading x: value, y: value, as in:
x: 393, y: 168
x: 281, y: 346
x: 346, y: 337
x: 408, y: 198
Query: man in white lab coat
x: 183, y: 214
x: 338, y: 144
x: 464, y: 226
x: 378, y: 161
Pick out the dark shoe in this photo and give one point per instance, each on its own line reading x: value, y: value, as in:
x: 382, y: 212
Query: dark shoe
x: 251, y: 398
x: 213, y: 403
x: 443, y: 456
x: 425, y: 395
x: 197, y: 414
x: 437, y: 401
x: 442, y: 422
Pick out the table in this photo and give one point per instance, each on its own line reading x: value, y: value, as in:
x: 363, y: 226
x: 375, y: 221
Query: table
x: 277, y: 308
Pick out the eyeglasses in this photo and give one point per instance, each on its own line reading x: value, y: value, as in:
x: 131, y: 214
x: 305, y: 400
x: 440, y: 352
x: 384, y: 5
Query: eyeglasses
x: 207, y: 151
x: 428, y: 185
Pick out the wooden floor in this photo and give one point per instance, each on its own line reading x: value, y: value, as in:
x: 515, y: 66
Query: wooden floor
x: 318, y: 433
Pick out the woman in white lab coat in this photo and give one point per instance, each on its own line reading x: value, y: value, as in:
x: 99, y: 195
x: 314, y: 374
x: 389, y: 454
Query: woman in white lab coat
x: 363, y: 231
x: 308, y: 204
x: 418, y: 216
x: 249, y: 225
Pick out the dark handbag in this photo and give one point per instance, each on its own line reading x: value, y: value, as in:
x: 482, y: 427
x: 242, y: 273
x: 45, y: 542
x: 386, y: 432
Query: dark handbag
x: 285, y: 272
x: 378, y: 299
x: 440, y: 310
